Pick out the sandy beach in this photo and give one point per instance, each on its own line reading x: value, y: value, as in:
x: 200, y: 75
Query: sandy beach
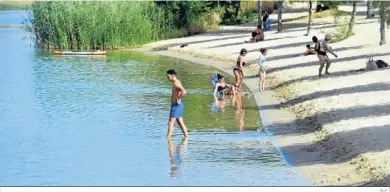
x: 333, y: 129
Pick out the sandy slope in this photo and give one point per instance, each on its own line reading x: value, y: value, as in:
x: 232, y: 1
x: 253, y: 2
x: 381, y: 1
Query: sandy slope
x: 339, y: 133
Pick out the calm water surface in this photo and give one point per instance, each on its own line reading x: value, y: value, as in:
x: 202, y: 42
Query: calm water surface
x: 67, y: 120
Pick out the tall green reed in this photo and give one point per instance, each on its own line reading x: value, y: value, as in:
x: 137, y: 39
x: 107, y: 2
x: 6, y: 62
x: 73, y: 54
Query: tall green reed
x: 85, y: 25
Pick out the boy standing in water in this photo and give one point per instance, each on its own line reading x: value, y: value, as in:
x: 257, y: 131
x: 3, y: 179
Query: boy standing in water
x: 177, y: 107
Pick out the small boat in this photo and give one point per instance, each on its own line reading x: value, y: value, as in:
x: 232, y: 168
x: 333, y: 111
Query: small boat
x: 79, y: 53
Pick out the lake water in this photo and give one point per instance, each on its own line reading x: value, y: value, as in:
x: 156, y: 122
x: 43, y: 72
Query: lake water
x: 80, y: 120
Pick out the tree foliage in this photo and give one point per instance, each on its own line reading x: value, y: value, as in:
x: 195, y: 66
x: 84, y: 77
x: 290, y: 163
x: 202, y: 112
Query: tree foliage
x: 384, y: 10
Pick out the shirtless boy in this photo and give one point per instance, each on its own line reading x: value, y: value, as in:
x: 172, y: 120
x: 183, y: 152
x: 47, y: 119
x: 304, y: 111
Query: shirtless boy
x: 177, y: 107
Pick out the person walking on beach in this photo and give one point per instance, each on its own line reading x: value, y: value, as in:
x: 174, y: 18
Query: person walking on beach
x: 321, y: 47
x: 262, y: 69
x: 238, y: 70
x: 177, y: 107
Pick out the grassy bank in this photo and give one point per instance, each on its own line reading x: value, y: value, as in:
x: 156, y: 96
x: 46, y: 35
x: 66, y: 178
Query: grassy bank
x: 20, y: 5
x: 85, y: 25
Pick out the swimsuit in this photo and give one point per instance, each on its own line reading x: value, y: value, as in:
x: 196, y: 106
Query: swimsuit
x: 221, y: 88
x: 262, y: 60
x: 236, y: 68
x: 320, y: 50
x: 177, y: 110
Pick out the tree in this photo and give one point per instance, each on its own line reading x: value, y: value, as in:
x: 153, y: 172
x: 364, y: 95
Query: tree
x: 384, y: 18
x: 280, y: 7
x: 310, y: 18
x: 352, y: 21
x: 260, y: 7
x: 369, y: 9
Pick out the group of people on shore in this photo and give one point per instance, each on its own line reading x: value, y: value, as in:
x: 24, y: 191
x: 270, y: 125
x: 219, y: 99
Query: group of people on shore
x: 221, y: 88
x: 321, y: 48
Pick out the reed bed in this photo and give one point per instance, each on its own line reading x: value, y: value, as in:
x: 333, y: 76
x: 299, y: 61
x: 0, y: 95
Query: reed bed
x: 87, y: 25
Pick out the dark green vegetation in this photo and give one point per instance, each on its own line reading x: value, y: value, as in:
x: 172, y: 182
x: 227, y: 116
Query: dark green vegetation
x: 84, y: 25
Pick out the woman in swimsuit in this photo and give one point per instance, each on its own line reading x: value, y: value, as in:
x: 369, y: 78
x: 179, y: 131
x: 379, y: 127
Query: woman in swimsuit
x: 321, y: 54
x: 262, y: 69
x: 238, y: 70
x: 221, y: 88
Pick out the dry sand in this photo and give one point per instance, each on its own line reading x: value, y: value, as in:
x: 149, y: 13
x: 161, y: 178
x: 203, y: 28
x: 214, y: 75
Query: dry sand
x: 334, y: 130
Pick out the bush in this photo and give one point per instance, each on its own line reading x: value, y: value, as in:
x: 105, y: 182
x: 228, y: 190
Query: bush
x: 341, y: 31
x: 207, y: 22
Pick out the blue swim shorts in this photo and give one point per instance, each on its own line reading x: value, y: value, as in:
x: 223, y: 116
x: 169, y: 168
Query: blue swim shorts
x: 177, y: 110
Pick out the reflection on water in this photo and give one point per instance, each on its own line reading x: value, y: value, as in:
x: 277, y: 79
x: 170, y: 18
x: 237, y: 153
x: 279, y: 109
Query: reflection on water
x: 175, y: 156
x: 101, y: 121
x: 234, y: 101
x: 239, y: 112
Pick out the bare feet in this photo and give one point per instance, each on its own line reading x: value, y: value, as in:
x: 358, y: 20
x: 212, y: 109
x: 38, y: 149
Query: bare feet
x: 184, y: 141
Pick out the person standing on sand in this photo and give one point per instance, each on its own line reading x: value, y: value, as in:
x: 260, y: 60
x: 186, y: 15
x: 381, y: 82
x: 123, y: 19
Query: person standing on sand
x: 177, y: 107
x: 265, y: 18
x: 320, y: 47
x: 238, y: 70
x: 262, y: 69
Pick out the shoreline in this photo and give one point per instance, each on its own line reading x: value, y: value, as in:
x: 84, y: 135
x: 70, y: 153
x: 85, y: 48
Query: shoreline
x: 331, y: 130
x: 269, y: 117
